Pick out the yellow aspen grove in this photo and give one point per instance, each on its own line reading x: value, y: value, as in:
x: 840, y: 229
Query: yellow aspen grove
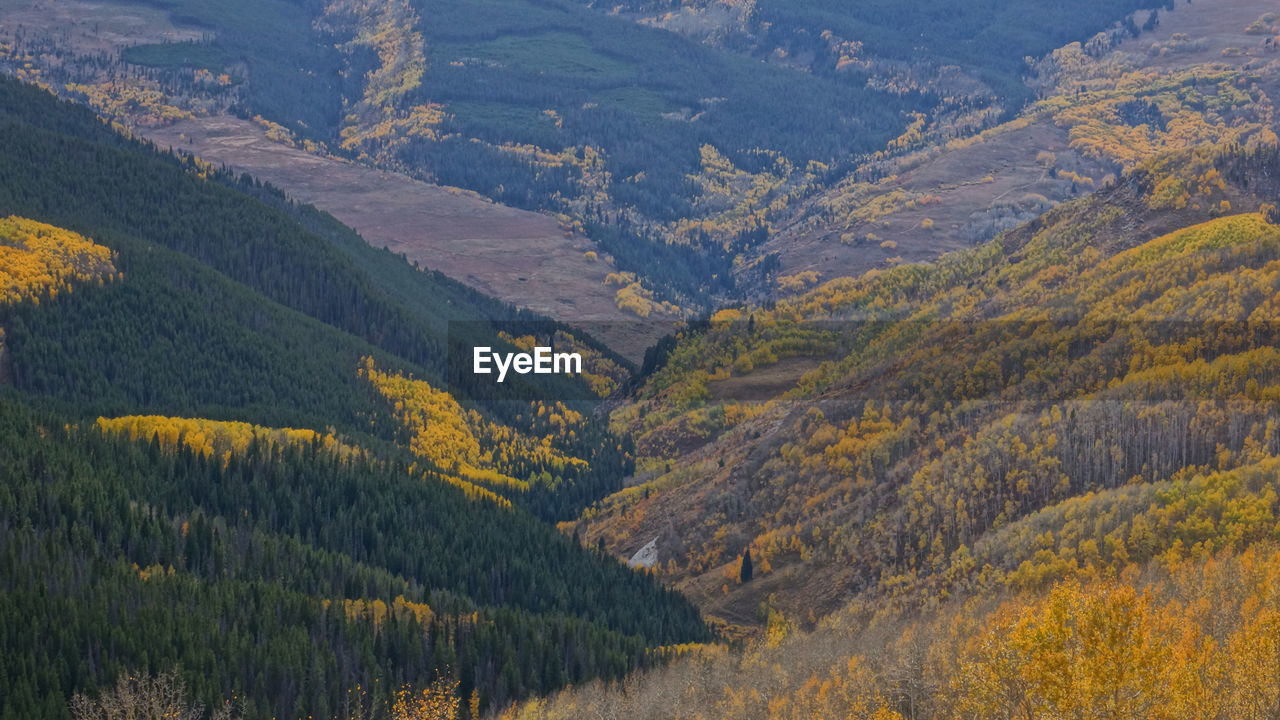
x: 40, y: 261
x: 216, y: 438
x: 460, y: 441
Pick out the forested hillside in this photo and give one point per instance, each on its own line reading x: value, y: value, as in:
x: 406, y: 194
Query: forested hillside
x: 249, y: 289
x: 970, y: 406
x: 912, y: 418
x: 1035, y: 479
x: 1183, y: 77
x: 547, y: 106
x: 987, y: 39
x: 1184, y: 638
x: 200, y: 471
x: 290, y: 575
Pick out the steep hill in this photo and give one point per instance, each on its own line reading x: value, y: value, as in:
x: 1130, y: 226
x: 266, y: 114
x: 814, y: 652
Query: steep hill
x: 524, y: 258
x: 205, y: 467
x: 539, y: 106
x: 290, y: 577
x: 1175, y: 639
x: 912, y: 415
x: 1034, y: 479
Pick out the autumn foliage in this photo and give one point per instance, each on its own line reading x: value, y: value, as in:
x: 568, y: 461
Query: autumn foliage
x: 1197, y: 638
x: 216, y: 438
x: 463, y: 443
x: 1059, y: 404
x: 40, y: 261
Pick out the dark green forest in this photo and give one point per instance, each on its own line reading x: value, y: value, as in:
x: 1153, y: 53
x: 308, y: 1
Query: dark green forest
x: 118, y: 555
x: 233, y: 303
x: 227, y: 299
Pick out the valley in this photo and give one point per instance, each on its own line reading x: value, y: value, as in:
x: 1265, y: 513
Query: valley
x: 928, y: 359
x: 248, y: 404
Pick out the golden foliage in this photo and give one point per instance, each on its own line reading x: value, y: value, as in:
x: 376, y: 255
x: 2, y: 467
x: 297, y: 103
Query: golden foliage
x: 961, y: 479
x: 727, y: 316
x: 797, y: 281
x: 437, y: 701
x: 440, y: 429
x: 1266, y: 24
x: 601, y: 374
x: 635, y: 298
x: 461, y: 442
x: 1201, y: 639
x: 378, y: 611
x: 217, y: 438
x: 138, y: 104
x: 731, y: 200
x: 593, y: 181
x: 40, y: 261
x: 1203, y: 104
x: 383, y: 119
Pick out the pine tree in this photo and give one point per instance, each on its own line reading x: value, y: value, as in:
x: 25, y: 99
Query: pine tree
x: 744, y: 575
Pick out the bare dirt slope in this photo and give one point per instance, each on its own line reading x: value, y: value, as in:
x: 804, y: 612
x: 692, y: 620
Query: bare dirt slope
x: 86, y: 26
x: 522, y: 257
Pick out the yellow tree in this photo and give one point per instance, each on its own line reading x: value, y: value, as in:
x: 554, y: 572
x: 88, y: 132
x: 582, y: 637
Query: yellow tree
x: 1252, y: 672
x: 1096, y: 652
x: 437, y: 701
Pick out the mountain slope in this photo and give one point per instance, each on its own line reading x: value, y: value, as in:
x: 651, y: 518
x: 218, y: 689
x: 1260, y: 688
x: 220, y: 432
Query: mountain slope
x: 1119, y: 339
x: 1104, y: 104
x: 1174, y: 639
x: 541, y: 106
x: 248, y: 290
x: 290, y: 577
x: 678, y: 161
x: 199, y: 471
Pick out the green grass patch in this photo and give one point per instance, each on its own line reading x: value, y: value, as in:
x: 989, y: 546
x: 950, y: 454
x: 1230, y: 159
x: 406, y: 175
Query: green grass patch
x: 187, y: 54
x: 475, y: 20
x: 637, y: 100
x: 549, y: 53
x: 501, y: 114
